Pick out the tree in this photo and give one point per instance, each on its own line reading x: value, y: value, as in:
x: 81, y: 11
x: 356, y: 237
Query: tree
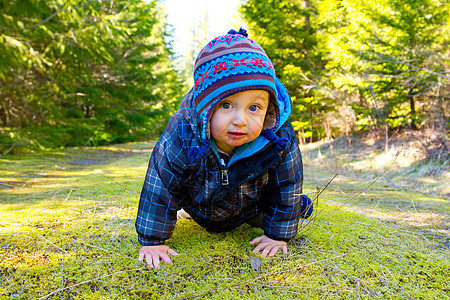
x: 84, y: 73
x: 392, y: 53
x: 386, y: 59
x: 288, y: 31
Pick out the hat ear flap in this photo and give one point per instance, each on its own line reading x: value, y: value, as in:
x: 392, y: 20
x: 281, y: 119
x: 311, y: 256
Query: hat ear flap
x: 280, y: 143
x: 196, y: 153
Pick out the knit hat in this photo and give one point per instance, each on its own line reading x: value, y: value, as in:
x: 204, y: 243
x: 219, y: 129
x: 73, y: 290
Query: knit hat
x: 227, y: 65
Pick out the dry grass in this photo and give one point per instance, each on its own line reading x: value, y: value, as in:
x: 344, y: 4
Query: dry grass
x: 67, y: 232
x: 420, y: 160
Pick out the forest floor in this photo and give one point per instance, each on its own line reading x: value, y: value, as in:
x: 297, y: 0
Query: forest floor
x: 67, y: 231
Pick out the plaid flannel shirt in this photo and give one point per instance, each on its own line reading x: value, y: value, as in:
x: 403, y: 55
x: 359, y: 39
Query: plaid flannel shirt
x: 268, y: 181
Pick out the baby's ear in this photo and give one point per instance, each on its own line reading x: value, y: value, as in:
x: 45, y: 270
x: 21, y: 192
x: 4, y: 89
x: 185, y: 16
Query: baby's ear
x: 271, y: 116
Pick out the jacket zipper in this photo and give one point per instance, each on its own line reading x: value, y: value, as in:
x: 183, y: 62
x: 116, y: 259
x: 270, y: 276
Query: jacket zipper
x: 224, y: 173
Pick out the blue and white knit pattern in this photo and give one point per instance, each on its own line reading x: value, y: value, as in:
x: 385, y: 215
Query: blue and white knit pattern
x: 227, y: 65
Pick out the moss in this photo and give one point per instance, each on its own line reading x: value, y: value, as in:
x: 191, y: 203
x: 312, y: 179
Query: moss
x: 67, y: 231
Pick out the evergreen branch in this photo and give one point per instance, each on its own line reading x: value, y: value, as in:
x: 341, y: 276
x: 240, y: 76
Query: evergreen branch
x: 49, y: 17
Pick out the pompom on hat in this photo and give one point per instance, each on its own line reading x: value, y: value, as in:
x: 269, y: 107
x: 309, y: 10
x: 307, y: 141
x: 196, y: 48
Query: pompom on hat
x: 227, y: 65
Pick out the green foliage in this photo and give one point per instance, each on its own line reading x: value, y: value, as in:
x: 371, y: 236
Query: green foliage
x: 287, y: 30
x: 394, y: 53
x: 387, y: 59
x: 94, y: 71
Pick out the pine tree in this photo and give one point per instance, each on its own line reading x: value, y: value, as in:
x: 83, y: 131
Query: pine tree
x: 84, y: 73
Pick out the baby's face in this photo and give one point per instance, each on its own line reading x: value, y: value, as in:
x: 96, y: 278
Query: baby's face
x: 239, y: 119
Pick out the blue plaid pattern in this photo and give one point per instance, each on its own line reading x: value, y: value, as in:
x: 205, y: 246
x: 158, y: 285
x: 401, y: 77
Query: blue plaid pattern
x: 269, y: 181
x: 280, y: 220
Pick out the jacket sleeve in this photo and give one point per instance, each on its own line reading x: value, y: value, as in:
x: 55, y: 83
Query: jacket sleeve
x: 157, y: 212
x: 282, y: 197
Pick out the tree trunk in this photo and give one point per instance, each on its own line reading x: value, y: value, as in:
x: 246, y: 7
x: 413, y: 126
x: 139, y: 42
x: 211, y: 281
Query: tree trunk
x: 306, y: 5
x: 386, y: 145
x: 413, y: 111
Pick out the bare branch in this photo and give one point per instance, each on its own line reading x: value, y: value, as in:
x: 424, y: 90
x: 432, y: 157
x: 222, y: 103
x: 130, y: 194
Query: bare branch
x: 390, y: 58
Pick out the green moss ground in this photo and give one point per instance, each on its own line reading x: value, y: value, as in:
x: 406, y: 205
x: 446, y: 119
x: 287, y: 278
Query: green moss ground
x: 67, y: 232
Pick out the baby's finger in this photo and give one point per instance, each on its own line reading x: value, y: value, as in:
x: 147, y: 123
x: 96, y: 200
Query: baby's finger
x: 148, y: 259
x: 256, y: 240
x: 259, y: 248
x: 274, y: 251
x: 141, y: 257
x: 267, y: 250
x: 172, y: 252
x: 165, y: 258
x: 284, y: 249
x: 155, y: 260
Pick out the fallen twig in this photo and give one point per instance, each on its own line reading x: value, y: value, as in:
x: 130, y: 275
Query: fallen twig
x: 7, y: 151
x: 109, y: 251
x: 40, y: 235
x: 262, y: 276
x: 313, y: 217
x: 51, y: 243
x: 319, y: 250
x: 367, y: 187
x: 86, y: 281
x: 115, y: 182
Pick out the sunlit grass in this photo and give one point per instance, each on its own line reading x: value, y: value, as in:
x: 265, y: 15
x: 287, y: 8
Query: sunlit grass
x: 405, y: 163
x: 67, y: 231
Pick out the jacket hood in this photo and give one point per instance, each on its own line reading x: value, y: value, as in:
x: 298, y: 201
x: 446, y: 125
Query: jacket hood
x: 280, y: 115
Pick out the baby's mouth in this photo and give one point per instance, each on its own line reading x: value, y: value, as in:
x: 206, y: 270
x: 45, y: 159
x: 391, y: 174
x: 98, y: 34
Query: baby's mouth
x: 236, y: 135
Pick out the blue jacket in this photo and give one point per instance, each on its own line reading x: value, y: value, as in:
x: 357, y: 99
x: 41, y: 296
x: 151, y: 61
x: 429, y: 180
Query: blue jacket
x: 220, y: 195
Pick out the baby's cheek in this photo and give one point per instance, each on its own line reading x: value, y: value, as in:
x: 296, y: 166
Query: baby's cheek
x: 257, y: 122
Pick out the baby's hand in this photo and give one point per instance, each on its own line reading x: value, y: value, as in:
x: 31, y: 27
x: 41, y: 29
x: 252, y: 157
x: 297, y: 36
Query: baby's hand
x: 153, y: 254
x: 268, y: 246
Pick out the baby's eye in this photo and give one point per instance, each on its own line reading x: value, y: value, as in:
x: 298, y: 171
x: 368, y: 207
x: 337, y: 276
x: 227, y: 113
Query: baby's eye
x: 254, y: 108
x: 226, y: 105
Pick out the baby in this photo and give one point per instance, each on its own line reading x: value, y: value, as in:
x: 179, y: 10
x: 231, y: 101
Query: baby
x: 228, y: 156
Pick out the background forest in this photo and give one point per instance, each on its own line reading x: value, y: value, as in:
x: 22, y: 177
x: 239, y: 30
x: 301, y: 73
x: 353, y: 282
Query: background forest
x: 86, y: 73
x: 100, y: 72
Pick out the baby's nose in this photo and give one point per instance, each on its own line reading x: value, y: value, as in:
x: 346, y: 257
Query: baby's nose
x: 239, y: 118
